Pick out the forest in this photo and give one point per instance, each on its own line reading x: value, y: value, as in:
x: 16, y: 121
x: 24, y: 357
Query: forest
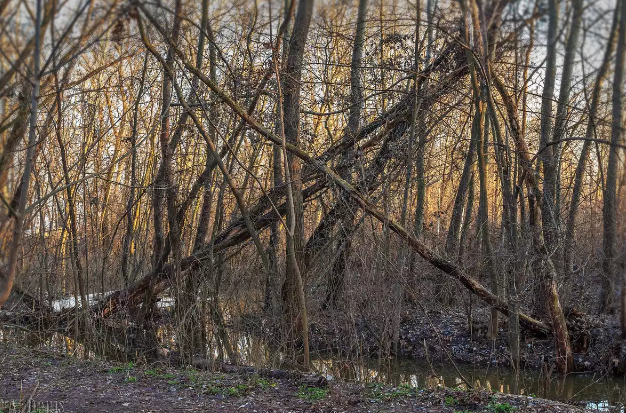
x: 379, y: 179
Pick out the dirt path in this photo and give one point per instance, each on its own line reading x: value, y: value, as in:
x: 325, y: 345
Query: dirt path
x: 55, y: 382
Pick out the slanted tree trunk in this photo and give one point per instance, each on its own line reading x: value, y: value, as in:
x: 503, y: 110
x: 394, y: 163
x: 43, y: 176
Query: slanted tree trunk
x: 456, y: 219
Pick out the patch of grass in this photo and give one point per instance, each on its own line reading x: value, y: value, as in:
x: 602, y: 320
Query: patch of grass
x: 312, y: 393
x: 152, y: 372
x: 500, y: 407
x: 121, y: 369
x: 238, y: 390
x: 450, y: 401
x: 167, y: 376
x: 192, y: 376
x: 232, y: 392
x: 379, y: 393
x: 262, y: 382
x: 211, y: 390
x: 403, y: 390
x: 130, y: 379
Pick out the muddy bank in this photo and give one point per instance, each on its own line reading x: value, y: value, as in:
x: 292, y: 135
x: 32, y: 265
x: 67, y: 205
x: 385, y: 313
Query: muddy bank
x: 446, y: 336
x: 41, y: 379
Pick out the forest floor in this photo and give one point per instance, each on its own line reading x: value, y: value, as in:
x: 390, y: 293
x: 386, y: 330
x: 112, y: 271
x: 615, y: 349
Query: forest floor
x: 41, y: 380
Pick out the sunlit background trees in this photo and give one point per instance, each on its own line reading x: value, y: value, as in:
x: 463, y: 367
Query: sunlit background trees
x: 360, y: 159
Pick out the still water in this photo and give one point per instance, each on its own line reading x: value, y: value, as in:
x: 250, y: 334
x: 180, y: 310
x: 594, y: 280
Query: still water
x: 601, y: 393
x: 597, y: 392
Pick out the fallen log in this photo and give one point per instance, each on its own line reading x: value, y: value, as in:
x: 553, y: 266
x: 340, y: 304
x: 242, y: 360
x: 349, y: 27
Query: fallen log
x: 429, y: 255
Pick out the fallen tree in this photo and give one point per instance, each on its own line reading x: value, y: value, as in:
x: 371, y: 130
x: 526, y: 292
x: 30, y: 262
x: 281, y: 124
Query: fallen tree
x: 235, y: 235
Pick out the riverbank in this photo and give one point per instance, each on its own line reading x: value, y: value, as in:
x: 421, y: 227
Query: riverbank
x: 446, y: 337
x: 50, y: 380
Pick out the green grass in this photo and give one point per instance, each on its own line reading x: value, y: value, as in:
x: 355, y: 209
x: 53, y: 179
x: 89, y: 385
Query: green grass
x: 261, y: 382
x: 500, y: 407
x: 214, y: 386
x: 450, y: 401
x: 192, y: 376
x: 130, y: 379
x: 121, y: 369
x: 379, y: 392
x: 211, y: 390
x: 312, y: 393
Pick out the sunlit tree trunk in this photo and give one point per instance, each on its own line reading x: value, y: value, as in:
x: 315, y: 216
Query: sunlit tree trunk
x: 7, y: 279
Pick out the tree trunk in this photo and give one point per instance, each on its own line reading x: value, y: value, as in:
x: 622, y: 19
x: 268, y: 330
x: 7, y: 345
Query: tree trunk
x: 584, y: 153
x: 549, y: 161
x: 337, y: 274
x: 128, y: 249
x: 6, y: 281
x: 565, y: 358
x: 293, y: 289
x: 610, y: 199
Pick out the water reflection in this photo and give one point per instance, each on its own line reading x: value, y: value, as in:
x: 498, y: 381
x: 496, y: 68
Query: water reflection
x: 597, y: 392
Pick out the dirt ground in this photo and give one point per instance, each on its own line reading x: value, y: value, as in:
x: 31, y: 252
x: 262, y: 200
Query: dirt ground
x: 43, y: 381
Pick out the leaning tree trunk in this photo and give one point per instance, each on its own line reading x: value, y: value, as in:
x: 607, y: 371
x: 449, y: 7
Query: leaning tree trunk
x: 320, y: 166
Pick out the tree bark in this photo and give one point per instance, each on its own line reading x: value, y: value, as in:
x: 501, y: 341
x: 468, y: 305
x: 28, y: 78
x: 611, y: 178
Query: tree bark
x: 293, y: 288
x: 610, y: 199
x: 6, y: 280
x: 336, y: 277
x: 569, y: 244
